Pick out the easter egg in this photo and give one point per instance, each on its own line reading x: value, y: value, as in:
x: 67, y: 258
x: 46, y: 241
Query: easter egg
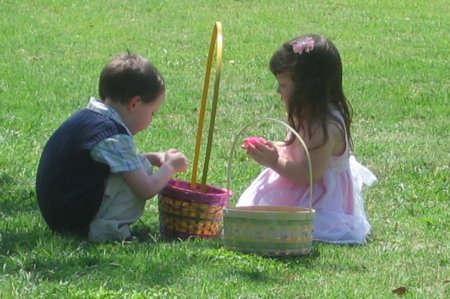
x: 252, y: 141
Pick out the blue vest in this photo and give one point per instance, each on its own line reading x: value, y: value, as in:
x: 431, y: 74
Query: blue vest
x: 69, y: 183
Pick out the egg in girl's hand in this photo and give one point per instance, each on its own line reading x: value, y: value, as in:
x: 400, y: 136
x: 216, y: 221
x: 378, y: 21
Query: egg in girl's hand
x: 252, y: 141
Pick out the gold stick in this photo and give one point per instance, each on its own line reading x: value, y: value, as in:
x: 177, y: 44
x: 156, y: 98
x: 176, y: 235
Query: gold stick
x: 216, y: 38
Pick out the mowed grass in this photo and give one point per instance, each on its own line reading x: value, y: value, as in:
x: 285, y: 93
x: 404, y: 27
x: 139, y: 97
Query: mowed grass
x: 396, y: 67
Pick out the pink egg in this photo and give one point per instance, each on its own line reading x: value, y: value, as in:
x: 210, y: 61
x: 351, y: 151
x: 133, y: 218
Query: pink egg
x: 253, y: 141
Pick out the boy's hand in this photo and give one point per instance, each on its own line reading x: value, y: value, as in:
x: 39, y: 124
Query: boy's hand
x: 176, y: 160
x: 156, y: 158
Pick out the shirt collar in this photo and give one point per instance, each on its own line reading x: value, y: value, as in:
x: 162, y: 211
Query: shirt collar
x: 99, y: 107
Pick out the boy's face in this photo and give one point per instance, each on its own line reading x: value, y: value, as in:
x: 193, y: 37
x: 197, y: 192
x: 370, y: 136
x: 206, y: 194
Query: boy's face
x: 143, y: 113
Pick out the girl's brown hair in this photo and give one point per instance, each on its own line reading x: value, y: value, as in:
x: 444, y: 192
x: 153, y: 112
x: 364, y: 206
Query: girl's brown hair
x: 317, y: 77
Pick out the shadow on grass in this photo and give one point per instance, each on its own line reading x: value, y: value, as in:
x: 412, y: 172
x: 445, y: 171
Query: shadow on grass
x: 28, y: 246
x: 150, y: 262
x: 14, y: 201
x: 13, y: 241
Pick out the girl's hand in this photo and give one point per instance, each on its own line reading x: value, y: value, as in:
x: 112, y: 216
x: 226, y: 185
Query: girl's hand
x: 251, y: 141
x: 176, y: 160
x: 262, y: 151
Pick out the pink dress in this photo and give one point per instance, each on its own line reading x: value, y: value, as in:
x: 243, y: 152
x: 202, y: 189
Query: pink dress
x: 337, y: 198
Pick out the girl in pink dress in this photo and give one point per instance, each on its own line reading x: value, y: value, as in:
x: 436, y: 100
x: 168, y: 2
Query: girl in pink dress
x: 309, y: 74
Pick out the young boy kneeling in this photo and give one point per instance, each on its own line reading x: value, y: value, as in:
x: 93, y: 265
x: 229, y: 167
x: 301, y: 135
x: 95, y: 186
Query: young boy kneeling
x: 91, y: 181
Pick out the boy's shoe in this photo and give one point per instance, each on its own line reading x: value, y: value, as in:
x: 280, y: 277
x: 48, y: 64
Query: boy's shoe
x: 129, y: 240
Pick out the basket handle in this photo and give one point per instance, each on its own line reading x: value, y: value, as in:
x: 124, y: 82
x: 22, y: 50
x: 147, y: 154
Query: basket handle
x: 308, y: 158
x: 216, y: 43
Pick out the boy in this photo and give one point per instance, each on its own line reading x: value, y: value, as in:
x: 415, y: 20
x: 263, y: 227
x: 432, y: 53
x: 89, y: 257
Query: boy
x: 90, y: 180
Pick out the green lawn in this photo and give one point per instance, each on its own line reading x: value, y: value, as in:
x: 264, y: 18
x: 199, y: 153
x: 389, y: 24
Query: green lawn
x: 396, y: 75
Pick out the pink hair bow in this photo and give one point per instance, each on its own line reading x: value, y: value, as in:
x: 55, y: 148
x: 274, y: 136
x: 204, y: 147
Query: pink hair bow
x: 303, y: 45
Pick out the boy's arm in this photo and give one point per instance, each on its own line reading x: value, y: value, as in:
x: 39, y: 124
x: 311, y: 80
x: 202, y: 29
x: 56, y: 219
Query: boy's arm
x: 113, y: 151
x: 146, y: 186
x: 156, y: 159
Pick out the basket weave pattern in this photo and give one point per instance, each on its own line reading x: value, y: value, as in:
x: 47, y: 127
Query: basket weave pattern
x: 270, y: 230
x: 261, y: 230
x: 184, y: 212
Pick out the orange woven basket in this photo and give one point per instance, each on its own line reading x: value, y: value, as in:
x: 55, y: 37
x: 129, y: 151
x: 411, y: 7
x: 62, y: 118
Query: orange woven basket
x: 269, y: 230
x: 185, y: 212
x: 187, y: 209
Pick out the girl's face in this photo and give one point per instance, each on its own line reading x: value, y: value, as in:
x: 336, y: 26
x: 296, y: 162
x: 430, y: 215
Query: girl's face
x: 285, y: 86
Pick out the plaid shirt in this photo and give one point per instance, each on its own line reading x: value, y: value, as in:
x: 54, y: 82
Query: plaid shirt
x: 118, y: 151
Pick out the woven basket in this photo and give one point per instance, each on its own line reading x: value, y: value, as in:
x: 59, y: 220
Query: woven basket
x: 270, y: 230
x: 184, y: 212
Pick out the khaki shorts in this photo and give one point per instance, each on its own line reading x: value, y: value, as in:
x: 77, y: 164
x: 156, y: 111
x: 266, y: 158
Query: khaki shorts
x: 119, y: 208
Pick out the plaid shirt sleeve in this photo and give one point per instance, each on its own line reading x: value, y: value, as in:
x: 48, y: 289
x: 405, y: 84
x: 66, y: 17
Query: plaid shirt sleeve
x: 119, y: 152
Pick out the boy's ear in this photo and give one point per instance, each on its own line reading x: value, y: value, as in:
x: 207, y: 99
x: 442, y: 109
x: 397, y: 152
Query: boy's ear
x: 133, y: 102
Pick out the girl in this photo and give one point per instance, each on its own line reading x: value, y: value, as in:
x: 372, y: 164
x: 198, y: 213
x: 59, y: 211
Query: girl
x: 309, y: 74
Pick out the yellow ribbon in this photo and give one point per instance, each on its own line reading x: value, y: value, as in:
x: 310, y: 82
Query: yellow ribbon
x: 216, y: 44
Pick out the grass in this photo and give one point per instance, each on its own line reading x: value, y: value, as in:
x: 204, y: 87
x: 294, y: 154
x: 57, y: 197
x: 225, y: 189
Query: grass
x: 395, y: 58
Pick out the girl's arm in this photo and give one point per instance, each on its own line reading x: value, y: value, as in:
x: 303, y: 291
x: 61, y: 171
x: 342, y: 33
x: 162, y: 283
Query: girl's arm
x: 297, y: 171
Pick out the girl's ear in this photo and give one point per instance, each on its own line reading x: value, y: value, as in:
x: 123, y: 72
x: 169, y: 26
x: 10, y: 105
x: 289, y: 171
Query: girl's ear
x: 133, y: 102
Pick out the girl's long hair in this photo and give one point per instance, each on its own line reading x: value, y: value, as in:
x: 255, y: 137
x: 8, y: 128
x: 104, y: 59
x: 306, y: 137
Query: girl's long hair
x: 317, y: 77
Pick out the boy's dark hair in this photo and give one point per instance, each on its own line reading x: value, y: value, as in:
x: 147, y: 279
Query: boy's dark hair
x: 128, y: 75
x: 317, y: 76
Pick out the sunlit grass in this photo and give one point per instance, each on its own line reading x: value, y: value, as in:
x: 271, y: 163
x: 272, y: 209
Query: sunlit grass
x: 395, y: 57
